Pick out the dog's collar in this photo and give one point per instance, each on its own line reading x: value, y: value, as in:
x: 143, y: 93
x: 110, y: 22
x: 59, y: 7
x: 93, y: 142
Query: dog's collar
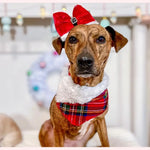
x: 69, y: 74
x: 77, y: 113
x: 69, y: 92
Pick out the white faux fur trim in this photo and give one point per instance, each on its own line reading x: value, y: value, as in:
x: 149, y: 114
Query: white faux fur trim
x: 63, y: 37
x: 70, y: 92
x: 93, y: 22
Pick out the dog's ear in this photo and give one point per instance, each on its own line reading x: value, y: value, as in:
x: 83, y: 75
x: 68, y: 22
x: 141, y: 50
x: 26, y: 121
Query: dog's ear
x: 58, y: 45
x: 119, y: 40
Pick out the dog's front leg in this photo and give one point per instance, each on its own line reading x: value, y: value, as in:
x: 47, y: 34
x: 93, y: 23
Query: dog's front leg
x: 102, y: 132
x: 59, y: 138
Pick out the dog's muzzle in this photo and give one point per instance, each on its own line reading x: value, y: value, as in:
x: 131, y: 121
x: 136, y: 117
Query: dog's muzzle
x: 85, y: 63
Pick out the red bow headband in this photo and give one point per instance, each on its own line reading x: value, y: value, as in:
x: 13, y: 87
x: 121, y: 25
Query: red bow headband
x: 64, y: 23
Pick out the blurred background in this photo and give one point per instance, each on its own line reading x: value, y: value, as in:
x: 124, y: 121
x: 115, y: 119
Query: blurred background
x: 30, y: 68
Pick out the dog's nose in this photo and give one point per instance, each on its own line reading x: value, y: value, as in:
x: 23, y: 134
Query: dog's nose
x: 85, y: 62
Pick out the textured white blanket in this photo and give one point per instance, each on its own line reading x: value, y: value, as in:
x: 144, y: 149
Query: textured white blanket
x: 118, y: 137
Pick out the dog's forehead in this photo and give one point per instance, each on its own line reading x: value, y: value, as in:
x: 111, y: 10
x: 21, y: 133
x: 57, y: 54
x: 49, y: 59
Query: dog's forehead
x: 93, y: 28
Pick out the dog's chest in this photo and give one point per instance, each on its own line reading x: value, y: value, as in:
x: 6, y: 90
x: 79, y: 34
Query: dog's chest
x: 81, y: 139
x: 85, y: 128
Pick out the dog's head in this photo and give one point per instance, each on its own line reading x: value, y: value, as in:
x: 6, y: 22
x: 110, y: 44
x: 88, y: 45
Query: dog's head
x: 88, y: 47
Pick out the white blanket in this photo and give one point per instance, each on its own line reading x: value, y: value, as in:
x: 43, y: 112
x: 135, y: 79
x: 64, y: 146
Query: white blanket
x: 118, y: 137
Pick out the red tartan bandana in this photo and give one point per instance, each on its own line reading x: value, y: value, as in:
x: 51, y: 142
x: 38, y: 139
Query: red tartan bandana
x: 77, y: 113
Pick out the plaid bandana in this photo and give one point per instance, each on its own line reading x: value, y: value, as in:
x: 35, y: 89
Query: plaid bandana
x: 77, y: 113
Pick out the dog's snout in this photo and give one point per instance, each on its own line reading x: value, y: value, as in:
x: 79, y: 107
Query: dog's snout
x: 85, y: 61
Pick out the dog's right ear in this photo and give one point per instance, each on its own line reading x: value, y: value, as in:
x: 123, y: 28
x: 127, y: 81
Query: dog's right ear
x: 58, y: 44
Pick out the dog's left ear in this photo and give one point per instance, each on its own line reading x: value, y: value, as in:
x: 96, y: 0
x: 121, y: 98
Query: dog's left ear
x: 118, y: 40
x: 58, y: 44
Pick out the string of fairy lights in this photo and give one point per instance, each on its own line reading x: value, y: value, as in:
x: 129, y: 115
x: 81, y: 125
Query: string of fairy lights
x: 6, y: 20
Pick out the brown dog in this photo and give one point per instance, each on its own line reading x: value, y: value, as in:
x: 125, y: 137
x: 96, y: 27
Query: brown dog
x: 87, y: 48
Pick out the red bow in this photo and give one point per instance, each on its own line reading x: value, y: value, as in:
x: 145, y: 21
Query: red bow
x: 64, y: 23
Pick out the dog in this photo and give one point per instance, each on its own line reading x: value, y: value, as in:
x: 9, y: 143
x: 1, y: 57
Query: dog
x: 10, y: 134
x: 87, y: 48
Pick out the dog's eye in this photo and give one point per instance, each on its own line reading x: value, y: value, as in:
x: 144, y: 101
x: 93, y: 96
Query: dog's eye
x: 73, y: 40
x: 100, y: 40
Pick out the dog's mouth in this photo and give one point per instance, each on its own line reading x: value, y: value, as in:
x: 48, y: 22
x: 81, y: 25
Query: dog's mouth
x: 86, y: 74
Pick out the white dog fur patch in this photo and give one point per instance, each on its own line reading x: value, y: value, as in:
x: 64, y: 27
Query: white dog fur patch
x: 70, y: 92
